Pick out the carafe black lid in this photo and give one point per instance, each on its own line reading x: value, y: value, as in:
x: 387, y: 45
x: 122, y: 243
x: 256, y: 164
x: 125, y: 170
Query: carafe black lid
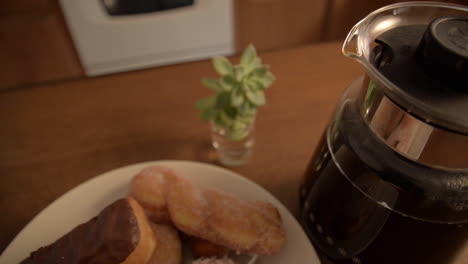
x: 429, y: 63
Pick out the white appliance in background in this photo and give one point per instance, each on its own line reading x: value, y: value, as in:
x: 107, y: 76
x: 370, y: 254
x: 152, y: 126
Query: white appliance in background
x: 108, y: 44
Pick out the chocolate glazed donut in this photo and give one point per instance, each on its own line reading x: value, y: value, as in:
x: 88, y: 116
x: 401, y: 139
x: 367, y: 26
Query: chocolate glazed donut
x: 119, y: 234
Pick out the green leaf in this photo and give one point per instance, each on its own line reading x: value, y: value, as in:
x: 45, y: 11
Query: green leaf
x: 238, y: 124
x: 267, y: 80
x: 237, y: 134
x: 223, y: 100
x: 270, y: 76
x: 237, y: 98
x: 249, y: 55
x: 208, y: 114
x: 222, y: 65
x: 228, y: 83
x: 247, y: 118
x: 225, y: 119
x: 212, y: 84
x: 205, y: 103
x: 256, y: 97
x: 259, y: 84
x: 261, y: 71
x: 261, y: 98
x: 239, y: 72
x: 252, y: 67
x: 244, y: 109
x: 252, y: 85
x: 231, y: 112
x: 239, y: 92
x: 217, y: 121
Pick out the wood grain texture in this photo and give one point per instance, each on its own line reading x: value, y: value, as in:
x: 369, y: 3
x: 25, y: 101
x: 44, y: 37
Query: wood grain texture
x: 56, y: 136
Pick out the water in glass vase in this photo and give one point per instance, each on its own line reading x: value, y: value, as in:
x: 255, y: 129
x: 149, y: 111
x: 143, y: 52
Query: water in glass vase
x: 232, y: 152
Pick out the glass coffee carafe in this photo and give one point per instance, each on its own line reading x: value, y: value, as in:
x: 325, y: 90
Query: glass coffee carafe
x: 389, y: 180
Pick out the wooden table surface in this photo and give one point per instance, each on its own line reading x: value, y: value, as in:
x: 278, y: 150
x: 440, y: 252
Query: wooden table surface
x: 56, y: 136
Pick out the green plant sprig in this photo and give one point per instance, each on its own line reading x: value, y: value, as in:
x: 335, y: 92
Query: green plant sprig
x: 239, y: 92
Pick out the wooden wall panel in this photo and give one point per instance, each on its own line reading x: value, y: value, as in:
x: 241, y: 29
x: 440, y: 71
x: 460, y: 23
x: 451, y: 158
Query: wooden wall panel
x: 35, y: 46
x: 342, y: 15
x: 9, y: 7
x: 274, y: 24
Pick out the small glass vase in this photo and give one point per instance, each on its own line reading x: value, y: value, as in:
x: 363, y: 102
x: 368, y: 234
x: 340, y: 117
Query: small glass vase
x: 233, y: 152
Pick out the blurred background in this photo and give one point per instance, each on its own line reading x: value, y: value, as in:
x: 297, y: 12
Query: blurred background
x: 55, y: 40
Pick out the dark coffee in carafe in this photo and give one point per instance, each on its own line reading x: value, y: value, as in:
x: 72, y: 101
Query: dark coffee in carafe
x: 389, y: 180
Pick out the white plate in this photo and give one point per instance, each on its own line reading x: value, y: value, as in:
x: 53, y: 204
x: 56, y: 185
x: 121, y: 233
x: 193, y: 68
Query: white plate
x: 86, y: 200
